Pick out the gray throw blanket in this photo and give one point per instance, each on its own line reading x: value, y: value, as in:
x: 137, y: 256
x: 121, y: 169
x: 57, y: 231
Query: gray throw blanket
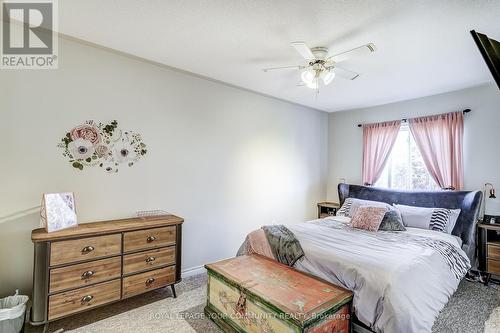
x: 285, y: 247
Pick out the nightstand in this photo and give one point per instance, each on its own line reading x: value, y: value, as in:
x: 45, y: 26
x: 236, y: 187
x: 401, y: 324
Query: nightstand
x: 327, y: 208
x: 489, y: 247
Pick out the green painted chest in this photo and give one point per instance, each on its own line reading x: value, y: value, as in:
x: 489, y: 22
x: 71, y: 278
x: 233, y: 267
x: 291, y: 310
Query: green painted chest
x: 256, y: 294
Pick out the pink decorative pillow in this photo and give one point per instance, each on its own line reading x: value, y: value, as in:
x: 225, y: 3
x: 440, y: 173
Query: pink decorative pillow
x: 368, y: 218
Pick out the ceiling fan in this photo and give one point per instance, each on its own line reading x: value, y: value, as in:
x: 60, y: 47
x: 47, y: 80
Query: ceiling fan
x: 323, y: 68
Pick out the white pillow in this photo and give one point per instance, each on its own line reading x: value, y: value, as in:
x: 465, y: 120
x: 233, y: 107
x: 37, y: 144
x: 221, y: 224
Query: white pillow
x: 439, y: 219
x: 351, y: 205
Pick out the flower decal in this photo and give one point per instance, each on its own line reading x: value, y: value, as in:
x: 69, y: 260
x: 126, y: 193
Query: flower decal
x: 86, y: 132
x: 109, y: 167
x: 102, y: 145
x: 124, y: 152
x: 81, y: 149
x: 102, y: 150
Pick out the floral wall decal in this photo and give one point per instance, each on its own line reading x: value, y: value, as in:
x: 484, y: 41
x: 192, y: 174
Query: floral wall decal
x: 102, y: 145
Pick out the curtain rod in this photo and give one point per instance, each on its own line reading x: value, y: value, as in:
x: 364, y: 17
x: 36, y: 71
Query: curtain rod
x: 405, y: 120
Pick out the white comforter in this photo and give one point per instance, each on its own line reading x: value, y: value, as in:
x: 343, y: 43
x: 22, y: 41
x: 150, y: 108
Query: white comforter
x: 399, y: 285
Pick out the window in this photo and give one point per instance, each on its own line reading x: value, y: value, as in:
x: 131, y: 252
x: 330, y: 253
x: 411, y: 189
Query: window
x: 405, y: 168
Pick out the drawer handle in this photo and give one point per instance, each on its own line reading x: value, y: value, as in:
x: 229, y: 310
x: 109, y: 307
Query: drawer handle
x: 87, y: 274
x: 87, y: 249
x: 86, y: 299
x: 150, y: 280
x: 151, y: 239
x: 150, y: 260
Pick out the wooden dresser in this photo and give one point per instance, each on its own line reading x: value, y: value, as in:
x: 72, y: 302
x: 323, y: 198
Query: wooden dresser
x: 94, y: 264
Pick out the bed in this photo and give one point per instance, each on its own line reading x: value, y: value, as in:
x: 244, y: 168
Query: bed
x: 401, y: 280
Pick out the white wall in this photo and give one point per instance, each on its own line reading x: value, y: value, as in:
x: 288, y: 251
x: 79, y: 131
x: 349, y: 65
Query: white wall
x: 481, y: 138
x: 225, y: 159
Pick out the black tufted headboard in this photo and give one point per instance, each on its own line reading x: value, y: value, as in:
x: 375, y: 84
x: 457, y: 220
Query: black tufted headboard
x: 468, y: 201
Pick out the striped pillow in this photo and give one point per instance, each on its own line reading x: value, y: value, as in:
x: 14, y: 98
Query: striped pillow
x: 346, y: 207
x: 439, y: 219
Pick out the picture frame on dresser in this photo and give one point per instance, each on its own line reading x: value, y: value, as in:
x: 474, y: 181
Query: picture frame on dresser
x: 58, y: 211
x: 99, y: 263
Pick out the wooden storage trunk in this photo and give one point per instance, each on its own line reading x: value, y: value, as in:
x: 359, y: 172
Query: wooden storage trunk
x: 256, y: 294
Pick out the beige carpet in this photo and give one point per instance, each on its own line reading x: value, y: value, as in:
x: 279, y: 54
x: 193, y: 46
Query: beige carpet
x: 473, y: 309
x: 156, y: 311
x: 493, y: 323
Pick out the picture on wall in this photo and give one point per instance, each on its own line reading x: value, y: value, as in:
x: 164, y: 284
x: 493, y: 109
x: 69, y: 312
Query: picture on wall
x: 95, y: 144
x: 58, y: 211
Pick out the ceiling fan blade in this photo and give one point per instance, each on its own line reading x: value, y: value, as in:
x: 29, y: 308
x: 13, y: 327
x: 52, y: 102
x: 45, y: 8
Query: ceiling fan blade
x: 345, y: 73
x: 304, y: 50
x: 358, y: 51
x: 282, y: 67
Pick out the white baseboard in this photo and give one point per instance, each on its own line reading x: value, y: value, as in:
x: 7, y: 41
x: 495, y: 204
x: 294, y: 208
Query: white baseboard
x: 193, y: 271
x: 196, y: 270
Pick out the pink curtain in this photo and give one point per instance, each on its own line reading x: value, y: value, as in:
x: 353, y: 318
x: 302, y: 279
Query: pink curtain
x: 440, y: 141
x: 378, y: 140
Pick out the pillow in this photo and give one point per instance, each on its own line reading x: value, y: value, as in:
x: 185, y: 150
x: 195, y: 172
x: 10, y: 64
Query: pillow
x: 439, y: 219
x: 368, y: 217
x: 352, y: 204
x: 444, y: 219
x: 392, y: 221
x: 346, y: 207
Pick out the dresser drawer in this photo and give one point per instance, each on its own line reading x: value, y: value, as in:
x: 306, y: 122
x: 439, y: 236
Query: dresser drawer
x: 494, y: 252
x: 148, y: 259
x: 70, y: 302
x: 80, y: 275
x: 149, y: 238
x: 494, y: 267
x: 63, y: 252
x: 140, y: 283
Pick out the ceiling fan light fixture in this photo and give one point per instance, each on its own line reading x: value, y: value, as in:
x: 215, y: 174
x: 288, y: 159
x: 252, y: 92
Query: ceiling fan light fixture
x: 327, y: 77
x: 311, y: 77
x: 320, y: 68
x: 308, y: 76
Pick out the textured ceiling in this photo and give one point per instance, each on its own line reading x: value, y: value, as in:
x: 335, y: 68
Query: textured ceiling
x: 424, y: 47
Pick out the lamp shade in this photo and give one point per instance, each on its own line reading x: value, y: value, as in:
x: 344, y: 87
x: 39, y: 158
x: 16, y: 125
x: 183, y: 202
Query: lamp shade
x: 312, y: 77
x: 327, y: 77
x: 492, y: 206
x: 308, y: 76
